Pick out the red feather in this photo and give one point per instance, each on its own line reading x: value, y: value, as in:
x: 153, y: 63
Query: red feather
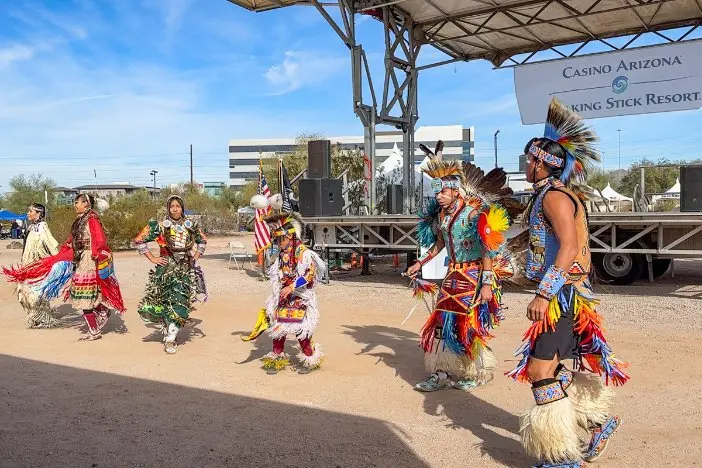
x: 35, y: 272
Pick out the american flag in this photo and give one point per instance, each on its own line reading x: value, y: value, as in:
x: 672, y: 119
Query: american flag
x: 262, y: 236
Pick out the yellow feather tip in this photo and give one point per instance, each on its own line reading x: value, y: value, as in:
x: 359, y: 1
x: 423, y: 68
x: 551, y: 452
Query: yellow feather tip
x: 498, y: 219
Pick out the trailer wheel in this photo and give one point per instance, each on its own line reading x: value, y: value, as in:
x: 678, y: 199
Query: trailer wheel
x: 619, y: 268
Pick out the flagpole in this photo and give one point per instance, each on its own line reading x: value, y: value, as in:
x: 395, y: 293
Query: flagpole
x: 260, y: 172
x: 280, y: 175
x: 263, y: 255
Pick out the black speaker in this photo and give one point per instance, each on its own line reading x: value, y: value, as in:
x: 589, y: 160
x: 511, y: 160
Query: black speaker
x: 394, y: 199
x: 318, y: 159
x: 522, y: 163
x: 691, y: 188
x: 321, y: 197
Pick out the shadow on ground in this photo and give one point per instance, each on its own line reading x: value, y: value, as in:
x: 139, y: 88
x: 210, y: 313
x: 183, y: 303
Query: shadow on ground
x: 186, y: 333
x: 460, y: 409
x: 61, y: 416
x: 71, y: 318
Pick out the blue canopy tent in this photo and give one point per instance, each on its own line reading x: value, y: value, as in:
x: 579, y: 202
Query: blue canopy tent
x: 6, y: 215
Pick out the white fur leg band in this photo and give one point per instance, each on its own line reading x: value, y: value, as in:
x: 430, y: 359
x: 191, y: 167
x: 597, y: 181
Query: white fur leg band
x: 313, y: 361
x: 591, y: 398
x: 549, y: 431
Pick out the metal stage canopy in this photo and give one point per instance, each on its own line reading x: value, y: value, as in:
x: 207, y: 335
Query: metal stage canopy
x: 506, y: 33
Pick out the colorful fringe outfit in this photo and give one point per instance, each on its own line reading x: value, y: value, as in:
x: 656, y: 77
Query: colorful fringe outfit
x: 299, y: 268
x: 82, y: 270
x: 455, y: 336
x: 570, y: 401
x: 38, y: 244
x: 173, y: 288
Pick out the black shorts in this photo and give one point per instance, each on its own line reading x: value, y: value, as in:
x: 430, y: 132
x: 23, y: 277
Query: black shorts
x: 563, y: 341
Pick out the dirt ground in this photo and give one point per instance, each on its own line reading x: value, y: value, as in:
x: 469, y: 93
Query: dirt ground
x: 121, y: 401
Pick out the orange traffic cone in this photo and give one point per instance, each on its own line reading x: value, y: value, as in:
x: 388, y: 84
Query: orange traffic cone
x: 354, y: 262
x: 396, y: 261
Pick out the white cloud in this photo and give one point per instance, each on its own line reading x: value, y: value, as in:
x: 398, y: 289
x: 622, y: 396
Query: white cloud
x: 65, y: 117
x: 172, y: 12
x: 41, y: 19
x: 15, y: 53
x: 299, y: 69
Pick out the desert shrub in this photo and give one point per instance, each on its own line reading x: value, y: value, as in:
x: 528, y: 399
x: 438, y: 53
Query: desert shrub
x: 127, y: 216
x: 665, y: 205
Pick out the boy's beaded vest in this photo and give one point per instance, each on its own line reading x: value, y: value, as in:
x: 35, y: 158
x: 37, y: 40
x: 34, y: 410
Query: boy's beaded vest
x: 458, y: 231
x: 543, y: 243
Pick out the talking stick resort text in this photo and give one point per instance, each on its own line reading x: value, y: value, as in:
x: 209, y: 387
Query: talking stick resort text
x: 621, y: 83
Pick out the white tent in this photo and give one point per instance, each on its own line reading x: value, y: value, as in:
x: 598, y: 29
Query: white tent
x: 674, y: 191
x: 394, y: 163
x: 612, y: 195
x: 616, y: 200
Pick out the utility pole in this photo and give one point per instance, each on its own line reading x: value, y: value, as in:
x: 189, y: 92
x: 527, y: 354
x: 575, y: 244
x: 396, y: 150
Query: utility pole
x: 498, y: 131
x: 192, y: 179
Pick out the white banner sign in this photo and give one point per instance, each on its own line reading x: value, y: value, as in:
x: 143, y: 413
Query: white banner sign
x: 639, y: 81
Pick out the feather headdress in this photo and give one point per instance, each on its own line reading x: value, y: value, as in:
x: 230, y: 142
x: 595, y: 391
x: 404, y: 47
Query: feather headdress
x: 471, y: 180
x: 284, y: 224
x: 436, y: 167
x: 567, y: 128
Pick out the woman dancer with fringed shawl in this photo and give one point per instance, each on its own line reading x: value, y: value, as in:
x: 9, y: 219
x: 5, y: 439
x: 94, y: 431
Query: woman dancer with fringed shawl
x: 176, y: 281
x: 82, y: 268
x: 38, y: 243
x: 565, y: 323
x: 466, y: 220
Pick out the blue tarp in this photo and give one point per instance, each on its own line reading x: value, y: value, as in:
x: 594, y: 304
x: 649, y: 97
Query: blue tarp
x: 6, y: 215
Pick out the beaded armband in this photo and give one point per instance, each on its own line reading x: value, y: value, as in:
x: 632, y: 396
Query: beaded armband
x: 426, y: 258
x: 554, y: 279
x: 487, y: 277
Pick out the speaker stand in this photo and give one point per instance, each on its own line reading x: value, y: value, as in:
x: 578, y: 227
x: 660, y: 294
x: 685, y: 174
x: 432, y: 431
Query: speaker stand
x: 365, y: 271
x: 411, y: 258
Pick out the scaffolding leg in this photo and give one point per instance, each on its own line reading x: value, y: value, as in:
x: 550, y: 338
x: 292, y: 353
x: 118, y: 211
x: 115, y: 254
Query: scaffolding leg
x: 649, y: 262
x: 325, y: 279
x: 365, y: 270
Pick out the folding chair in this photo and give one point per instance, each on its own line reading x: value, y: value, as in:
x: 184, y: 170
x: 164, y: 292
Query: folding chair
x: 237, y: 248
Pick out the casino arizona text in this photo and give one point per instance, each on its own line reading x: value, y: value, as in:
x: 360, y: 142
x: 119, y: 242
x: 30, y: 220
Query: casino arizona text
x: 570, y: 72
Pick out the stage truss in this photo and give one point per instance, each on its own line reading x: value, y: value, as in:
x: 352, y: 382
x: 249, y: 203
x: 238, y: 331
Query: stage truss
x: 506, y: 33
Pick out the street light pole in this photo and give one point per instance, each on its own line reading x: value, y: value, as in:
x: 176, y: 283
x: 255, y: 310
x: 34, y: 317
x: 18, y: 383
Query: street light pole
x: 498, y: 131
x: 153, y: 173
x: 619, y: 131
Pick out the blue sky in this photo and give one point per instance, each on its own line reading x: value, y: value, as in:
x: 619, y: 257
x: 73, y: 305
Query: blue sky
x: 121, y: 88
